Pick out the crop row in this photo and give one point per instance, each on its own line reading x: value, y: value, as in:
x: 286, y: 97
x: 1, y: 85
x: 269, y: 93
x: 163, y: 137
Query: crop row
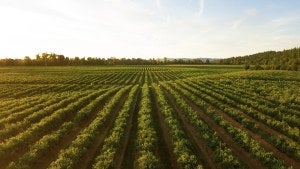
x: 43, y: 145
x: 238, y: 90
x: 280, y: 126
x: 68, y: 157
x: 291, y: 120
x: 50, y: 122
x: 17, y: 116
x: 105, y: 159
x: 146, y: 134
x: 284, y: 144
x: 180, y: 143
x: 15, y: 105
x: 223, y: 154
x: 240, y: 136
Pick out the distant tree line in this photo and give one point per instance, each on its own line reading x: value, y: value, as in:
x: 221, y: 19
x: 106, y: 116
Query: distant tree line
x: 52, y: 59
x: 282, y: 60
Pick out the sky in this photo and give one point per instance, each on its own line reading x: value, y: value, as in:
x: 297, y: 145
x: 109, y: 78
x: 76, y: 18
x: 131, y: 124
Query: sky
x: 147, y: 28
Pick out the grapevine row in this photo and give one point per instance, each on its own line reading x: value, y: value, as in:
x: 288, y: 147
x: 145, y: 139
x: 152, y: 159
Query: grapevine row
x: 67, y: 158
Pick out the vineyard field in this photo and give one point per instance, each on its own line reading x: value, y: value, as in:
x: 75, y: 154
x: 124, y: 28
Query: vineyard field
x: 144, y: 117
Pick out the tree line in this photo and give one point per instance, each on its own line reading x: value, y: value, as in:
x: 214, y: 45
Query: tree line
x: 52, y: 59
x: 281, y: 60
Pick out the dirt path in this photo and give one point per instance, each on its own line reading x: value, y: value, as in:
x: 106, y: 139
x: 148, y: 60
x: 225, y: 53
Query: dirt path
x: 255, y: 108
x: 142, y: 78
x: 266, y: 145
x: 124, y: 158
x: 239, y: 152
x: 22, y: 149
x: 259, y: 123
x: 132, y: 78
x: 162, y: 150
x: 204, y: 153
x: 165, y: 151
x: 52, y: 154
x: 289, y: 160
x: 86, y: 161
x: 154, y: 77
x: 219, y: 90
x: 149, y: 77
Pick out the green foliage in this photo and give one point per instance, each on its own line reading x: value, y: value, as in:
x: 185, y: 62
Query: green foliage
x: 70, y: 156
x: 223, y: 154
x: 147, y: 161
x: 282, y: 60
x: 146, y: 135
x: 41, y: 107
x: 181, y: 146
x: 111, y: 144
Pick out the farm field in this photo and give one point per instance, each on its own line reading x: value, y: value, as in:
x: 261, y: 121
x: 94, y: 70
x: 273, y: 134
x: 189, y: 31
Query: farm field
x: 165, y: 117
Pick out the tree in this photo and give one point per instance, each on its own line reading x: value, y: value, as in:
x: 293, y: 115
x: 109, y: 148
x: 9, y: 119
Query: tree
x: 165, y: 60
x: 45, y: 58
x: 38, y: 60
x: 61, y: 59
x: 284, y: 60
x: 27, y: 61
x: 52, y: 59
x: 76, y: 60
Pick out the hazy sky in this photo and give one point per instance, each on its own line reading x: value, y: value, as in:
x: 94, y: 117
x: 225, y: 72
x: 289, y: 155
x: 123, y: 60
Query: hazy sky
x: 147, y: 28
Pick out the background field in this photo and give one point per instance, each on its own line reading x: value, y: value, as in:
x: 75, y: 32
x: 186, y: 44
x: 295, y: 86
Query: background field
x: 149, y: 117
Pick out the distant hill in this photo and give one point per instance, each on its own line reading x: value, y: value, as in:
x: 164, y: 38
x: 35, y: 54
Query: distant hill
x: 281, y: 60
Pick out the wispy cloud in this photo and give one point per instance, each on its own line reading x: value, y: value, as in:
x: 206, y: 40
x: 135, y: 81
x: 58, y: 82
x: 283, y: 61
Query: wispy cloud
x: 237, y: 23
x: 145, y: 28
x: 282, y: 21
x: 245, y: 17
x: 201, y: 7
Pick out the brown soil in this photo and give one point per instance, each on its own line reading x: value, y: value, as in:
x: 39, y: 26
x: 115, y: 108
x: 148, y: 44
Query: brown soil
x: 142, y: 78
x: 165, y: 141
x: 124, y: 158
x: 288, y: 159
x: 154, y: 78
x: 25, y: 147
x: 149, y: 77
x: 52, y: 154
x: 87, y: 159
x: 33, y: 121
x: 259, y: 123
x: 239, y: 152
x: 131, y: 78
x: 266, y: 145
x: 204, y: 153
x: 162, y: 150
x: 269, y: 128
